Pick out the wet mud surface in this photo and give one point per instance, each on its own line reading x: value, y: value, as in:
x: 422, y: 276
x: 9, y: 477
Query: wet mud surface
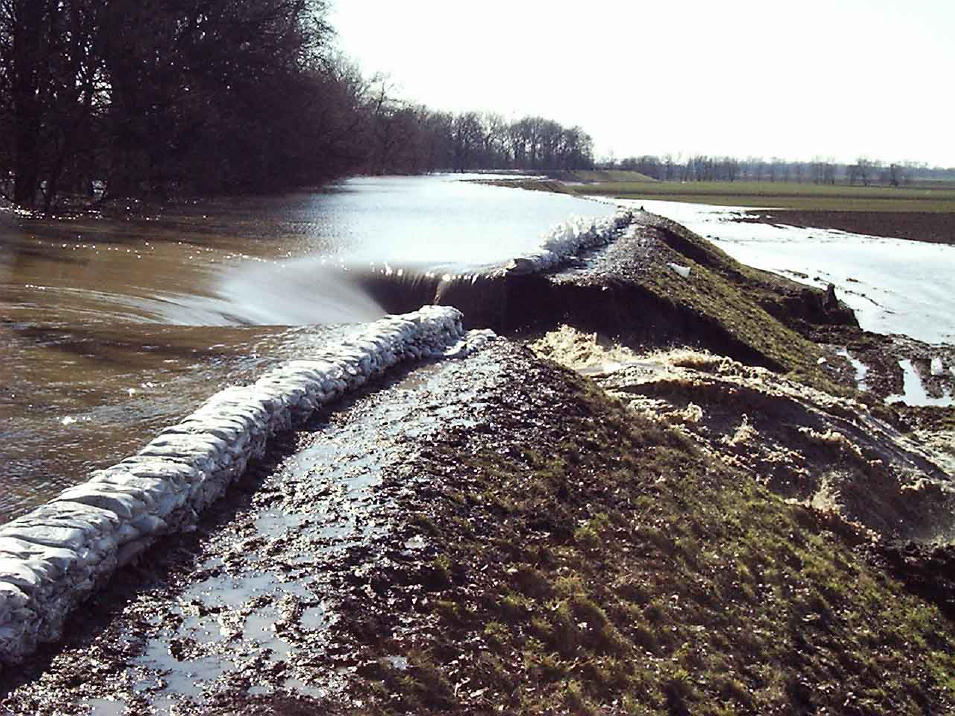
x: 243, y: 608
x: 321, y: 583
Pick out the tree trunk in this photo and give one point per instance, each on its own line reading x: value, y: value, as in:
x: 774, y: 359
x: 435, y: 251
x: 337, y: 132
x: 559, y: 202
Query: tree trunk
x: 27, y: 107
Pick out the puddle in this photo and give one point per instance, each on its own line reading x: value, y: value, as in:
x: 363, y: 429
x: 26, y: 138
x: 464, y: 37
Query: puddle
x: 204, y: 630
x: 313, y: 618
x: 913, y: 392
x: 259, y: 628
x: 182, y: 678
x: 306, y: 689
x: 861, y: 368
x: 275, y: 523
x: 226, y: 591
x: 105, y: 707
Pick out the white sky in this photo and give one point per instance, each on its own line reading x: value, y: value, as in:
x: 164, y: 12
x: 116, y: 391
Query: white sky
x: 833, y: 78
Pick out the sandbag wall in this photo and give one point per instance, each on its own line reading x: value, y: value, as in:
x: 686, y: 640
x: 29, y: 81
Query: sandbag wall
x: 57, y: 555
x: 567, y: 239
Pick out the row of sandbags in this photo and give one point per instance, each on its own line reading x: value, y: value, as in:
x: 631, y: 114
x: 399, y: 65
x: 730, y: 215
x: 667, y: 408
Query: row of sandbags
x: 54, y: 557
x: 568, y: 239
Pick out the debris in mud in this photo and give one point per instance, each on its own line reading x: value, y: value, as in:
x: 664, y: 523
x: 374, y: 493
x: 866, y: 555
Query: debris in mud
x: 803, y: 443
x: 681, y: 271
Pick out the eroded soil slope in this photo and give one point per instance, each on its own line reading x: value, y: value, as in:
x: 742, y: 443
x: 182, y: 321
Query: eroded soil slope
x: 582, y: 558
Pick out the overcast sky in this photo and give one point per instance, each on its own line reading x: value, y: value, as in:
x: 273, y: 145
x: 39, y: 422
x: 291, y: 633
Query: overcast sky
x: 833, y: 78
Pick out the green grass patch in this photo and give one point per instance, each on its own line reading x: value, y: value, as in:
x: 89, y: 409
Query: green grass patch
x: 602, y: 175
x: 821, y: 197
x: 759, y: 309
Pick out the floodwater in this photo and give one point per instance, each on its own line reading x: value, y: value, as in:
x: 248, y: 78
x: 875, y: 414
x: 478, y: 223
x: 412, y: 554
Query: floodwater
x: 893, y: 285
x: 111, y: 328
x: 913, y: 391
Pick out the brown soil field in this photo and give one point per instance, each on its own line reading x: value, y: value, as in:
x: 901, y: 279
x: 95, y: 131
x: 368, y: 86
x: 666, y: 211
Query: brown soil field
x: 933, y: 227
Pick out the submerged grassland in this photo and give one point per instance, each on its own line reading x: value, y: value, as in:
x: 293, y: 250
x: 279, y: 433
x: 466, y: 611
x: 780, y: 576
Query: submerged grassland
x: 920, y: 212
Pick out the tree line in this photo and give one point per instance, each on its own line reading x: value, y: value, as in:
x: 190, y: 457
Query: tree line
x: 103, y: 99
x: 698, y: 168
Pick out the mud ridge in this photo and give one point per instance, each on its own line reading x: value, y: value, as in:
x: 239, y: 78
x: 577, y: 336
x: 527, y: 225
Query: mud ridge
x: 56, y: 556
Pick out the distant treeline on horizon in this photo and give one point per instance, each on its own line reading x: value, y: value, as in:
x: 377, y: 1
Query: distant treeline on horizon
x: 106, y: 99
x: 118, y: 98
x: 863, y: 171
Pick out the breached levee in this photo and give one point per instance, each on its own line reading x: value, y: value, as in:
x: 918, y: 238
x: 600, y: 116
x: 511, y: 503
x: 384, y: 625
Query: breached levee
x: 484, y: 293
x: 56, y: 556
x: 568, y: 239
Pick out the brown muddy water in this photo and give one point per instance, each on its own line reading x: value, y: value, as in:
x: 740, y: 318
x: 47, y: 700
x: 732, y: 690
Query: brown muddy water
x: 112, y: 327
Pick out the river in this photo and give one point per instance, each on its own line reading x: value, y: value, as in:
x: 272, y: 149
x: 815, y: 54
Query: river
x: 113, y: 327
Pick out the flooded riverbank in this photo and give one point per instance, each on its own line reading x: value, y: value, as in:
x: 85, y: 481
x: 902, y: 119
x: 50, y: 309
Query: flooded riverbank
x: 893, y: 285
x: 112, y: 327
x: 372, y: 548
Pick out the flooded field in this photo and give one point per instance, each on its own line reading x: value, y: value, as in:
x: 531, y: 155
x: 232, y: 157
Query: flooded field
x: 112, y: 327
x: 893, y: 285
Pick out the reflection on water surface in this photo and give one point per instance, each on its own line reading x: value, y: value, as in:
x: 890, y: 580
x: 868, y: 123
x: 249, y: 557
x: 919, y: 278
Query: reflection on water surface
x: 112, y: 327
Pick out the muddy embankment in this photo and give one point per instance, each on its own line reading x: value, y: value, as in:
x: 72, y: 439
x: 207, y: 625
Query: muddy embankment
x: 635, y: 290
x: 633, y: 287
x: 715, y: 515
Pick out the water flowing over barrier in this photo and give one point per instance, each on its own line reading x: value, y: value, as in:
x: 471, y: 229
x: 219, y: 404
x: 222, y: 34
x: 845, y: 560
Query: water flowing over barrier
x: 569, y: 238
x: 56, y: 556
x: 490, y: 295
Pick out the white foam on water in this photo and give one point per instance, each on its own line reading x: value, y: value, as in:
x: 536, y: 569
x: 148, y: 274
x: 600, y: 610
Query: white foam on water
x: 567, y: 239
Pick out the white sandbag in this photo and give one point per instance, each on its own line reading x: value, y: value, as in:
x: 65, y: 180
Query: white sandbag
x: 122, y: 504
x: 58, y: 561
x: 55, y: 556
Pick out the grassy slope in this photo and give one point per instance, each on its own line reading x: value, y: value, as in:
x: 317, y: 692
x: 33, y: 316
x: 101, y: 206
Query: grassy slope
x: 785, y: 195
x: 607, y: 566
x: 928, y: 198
x: 603, y: 175
x: 737, y: 297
